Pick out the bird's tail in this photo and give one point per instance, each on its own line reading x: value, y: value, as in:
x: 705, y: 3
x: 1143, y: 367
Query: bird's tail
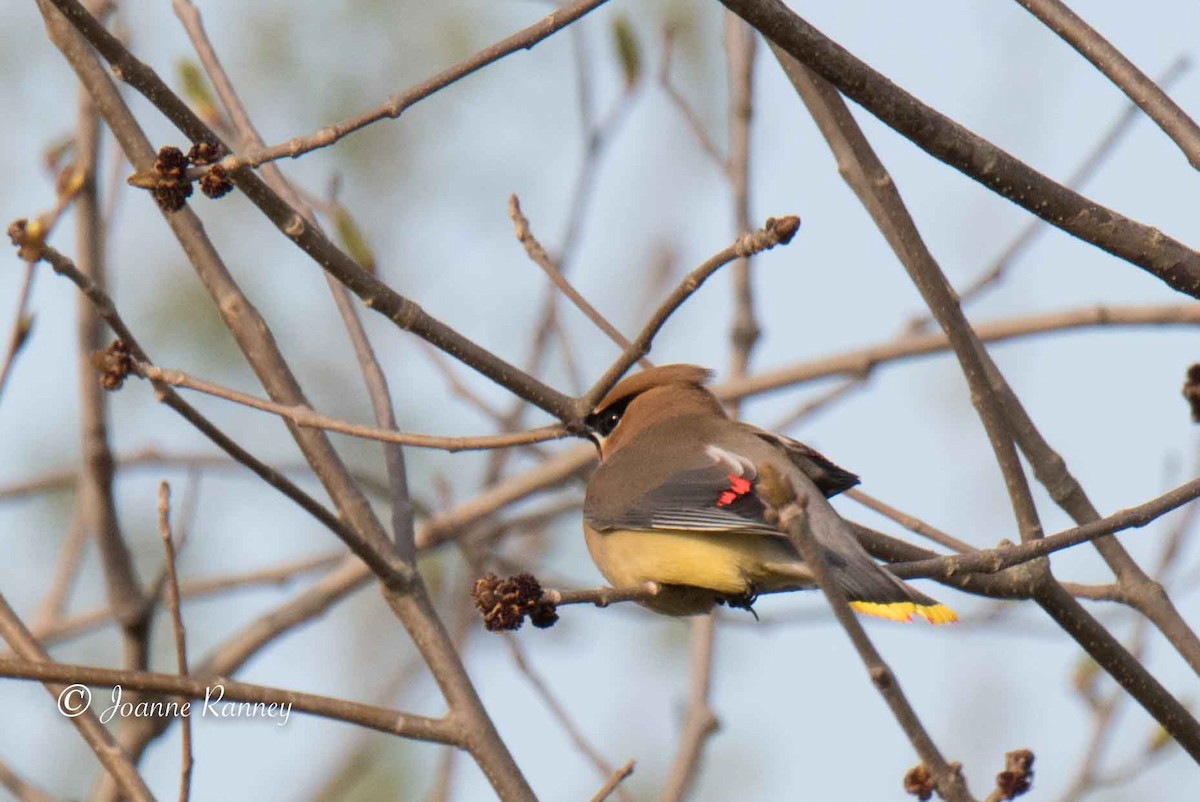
x: 870, y: 588
x: 878, y: 592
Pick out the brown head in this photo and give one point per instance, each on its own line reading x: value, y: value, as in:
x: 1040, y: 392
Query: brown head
x: 648, y: 398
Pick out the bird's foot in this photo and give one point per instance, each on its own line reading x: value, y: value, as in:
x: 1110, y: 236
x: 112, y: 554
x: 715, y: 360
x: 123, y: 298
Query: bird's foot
x: 742, y: 601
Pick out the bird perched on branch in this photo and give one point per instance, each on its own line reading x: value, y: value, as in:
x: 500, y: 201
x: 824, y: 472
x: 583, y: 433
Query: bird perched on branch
x: 676, y: 501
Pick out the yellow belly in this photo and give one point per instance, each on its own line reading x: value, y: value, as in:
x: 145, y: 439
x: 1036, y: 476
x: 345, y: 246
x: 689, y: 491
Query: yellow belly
x: 700, y: 566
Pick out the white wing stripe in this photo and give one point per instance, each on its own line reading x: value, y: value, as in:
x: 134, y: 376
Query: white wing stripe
x: 737, y: 464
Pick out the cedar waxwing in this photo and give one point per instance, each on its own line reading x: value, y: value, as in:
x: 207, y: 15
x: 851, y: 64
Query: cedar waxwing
x: 675, y: 502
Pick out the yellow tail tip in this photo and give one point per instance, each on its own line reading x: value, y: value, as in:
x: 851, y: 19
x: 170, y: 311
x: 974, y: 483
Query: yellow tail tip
x: 904, y: 611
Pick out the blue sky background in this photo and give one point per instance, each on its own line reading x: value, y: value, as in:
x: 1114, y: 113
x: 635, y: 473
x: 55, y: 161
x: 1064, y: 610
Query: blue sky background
x: 799, y: 717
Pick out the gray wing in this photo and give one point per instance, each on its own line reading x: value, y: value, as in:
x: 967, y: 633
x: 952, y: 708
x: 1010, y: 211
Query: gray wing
x: 721, y: 496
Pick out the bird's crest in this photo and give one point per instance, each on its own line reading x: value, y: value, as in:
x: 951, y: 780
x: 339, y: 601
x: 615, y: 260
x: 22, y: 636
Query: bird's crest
x: 639, y: 383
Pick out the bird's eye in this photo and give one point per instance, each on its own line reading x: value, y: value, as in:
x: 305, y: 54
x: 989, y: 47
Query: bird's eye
x: 608, y: 421
x: 604, y: 421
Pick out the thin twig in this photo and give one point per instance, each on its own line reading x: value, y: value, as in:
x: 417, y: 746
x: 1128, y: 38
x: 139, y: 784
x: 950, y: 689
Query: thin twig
x: 993, y: 560
x: 909, y: 522
x: 539, y: 257
x: 306, y: 417
x: 1148, y: 596
x: 776, y: 231
x: 614, y: 781
x: 397, y: 104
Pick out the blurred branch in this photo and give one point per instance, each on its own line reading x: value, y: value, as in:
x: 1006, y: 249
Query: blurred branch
x: 1008, y: 256
x: 66, y: 571
x: 1136, y: 85
x: 700, y: 721
x: 864, y: 360
x: 1139, y: 244
x: 362, y: 755
x: 740, y: 49
x: 147, y: 458
x: 22, y: 327
x: 373, y: 376
x: 97, y: 511
x: 685, y: 109
x: 164, y: 532
x: 560, y: 714
x: 66, y: 268
x: 458, y: 388
x: 21, y: 789
x: 862, y: 170
x: 57, y: 630
x: 364, y: 533
x: 596, y: 137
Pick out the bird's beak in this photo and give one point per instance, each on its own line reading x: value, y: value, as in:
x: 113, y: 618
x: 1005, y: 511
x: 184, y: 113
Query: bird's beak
x: 589, y: 431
